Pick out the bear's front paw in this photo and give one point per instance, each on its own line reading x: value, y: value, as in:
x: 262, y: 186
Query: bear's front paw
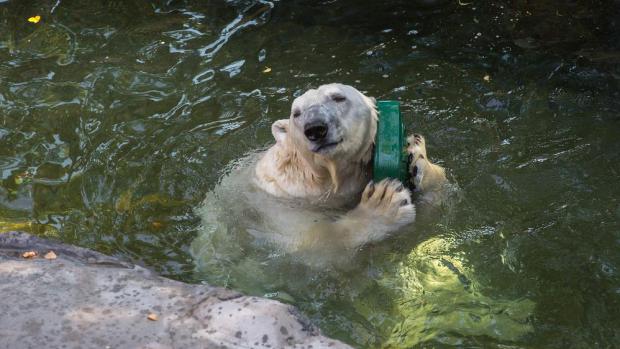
x: 389, y: 201
x: 416, y: 147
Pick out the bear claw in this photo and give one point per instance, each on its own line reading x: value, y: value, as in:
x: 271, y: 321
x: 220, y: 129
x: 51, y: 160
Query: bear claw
x: 388, y: 200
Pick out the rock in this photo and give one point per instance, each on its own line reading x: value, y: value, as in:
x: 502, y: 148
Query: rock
x: 84, y: 299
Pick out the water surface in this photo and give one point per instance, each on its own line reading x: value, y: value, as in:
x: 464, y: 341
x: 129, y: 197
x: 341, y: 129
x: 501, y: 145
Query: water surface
x: 117, y: 117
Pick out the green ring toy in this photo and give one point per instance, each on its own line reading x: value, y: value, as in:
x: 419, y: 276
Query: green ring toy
x: 390, y: 158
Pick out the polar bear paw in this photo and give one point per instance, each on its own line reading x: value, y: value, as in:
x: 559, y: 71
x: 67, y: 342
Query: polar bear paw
x: 416, y: 147
x: 388, y: 201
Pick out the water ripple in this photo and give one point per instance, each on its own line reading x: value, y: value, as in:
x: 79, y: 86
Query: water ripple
x: 251, y: 16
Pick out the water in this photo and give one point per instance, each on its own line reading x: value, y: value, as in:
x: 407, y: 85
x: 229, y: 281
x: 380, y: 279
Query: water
x: 116, y: 119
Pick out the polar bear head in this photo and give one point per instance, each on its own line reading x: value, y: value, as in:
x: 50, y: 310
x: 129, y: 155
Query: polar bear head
x: 334, y: 122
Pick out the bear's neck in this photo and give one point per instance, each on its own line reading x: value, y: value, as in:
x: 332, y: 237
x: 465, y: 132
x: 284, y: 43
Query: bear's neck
x: 312, y: 176
x: 338, y: 177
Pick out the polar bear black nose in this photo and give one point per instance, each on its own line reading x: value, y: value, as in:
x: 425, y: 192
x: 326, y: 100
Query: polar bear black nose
x: 316, y: 131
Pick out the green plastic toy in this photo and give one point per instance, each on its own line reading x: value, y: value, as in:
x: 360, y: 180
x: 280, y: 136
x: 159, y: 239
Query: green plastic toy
x: 390, y: 159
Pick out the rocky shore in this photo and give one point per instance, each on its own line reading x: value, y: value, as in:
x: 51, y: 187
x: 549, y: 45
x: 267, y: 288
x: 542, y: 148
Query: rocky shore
x: 78, y: 298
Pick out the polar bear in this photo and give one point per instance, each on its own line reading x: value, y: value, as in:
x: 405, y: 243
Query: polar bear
x: 311, y: 192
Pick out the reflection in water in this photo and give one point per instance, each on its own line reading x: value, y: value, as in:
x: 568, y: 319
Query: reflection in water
x: 117, y: 118
x: 53, y: 40
x: 442, y: 300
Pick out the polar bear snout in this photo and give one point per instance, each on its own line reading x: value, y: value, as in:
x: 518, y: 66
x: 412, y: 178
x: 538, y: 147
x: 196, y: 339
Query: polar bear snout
x: 320, y: 127
x: 316, y: 131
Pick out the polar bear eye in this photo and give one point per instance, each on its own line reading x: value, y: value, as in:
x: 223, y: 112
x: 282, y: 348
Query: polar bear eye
x: 296, y: 113
x: 338, y: 98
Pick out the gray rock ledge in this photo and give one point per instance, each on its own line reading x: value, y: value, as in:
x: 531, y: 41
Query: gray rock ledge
x: 84, y: 299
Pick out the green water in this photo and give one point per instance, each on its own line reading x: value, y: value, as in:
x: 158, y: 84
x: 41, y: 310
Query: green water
x: 117, y: 117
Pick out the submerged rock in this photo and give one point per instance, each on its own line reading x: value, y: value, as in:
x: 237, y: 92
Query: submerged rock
x: 84, y: 299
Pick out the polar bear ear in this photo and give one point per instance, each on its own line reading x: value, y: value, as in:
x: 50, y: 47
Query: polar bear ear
x: 279, y: 129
